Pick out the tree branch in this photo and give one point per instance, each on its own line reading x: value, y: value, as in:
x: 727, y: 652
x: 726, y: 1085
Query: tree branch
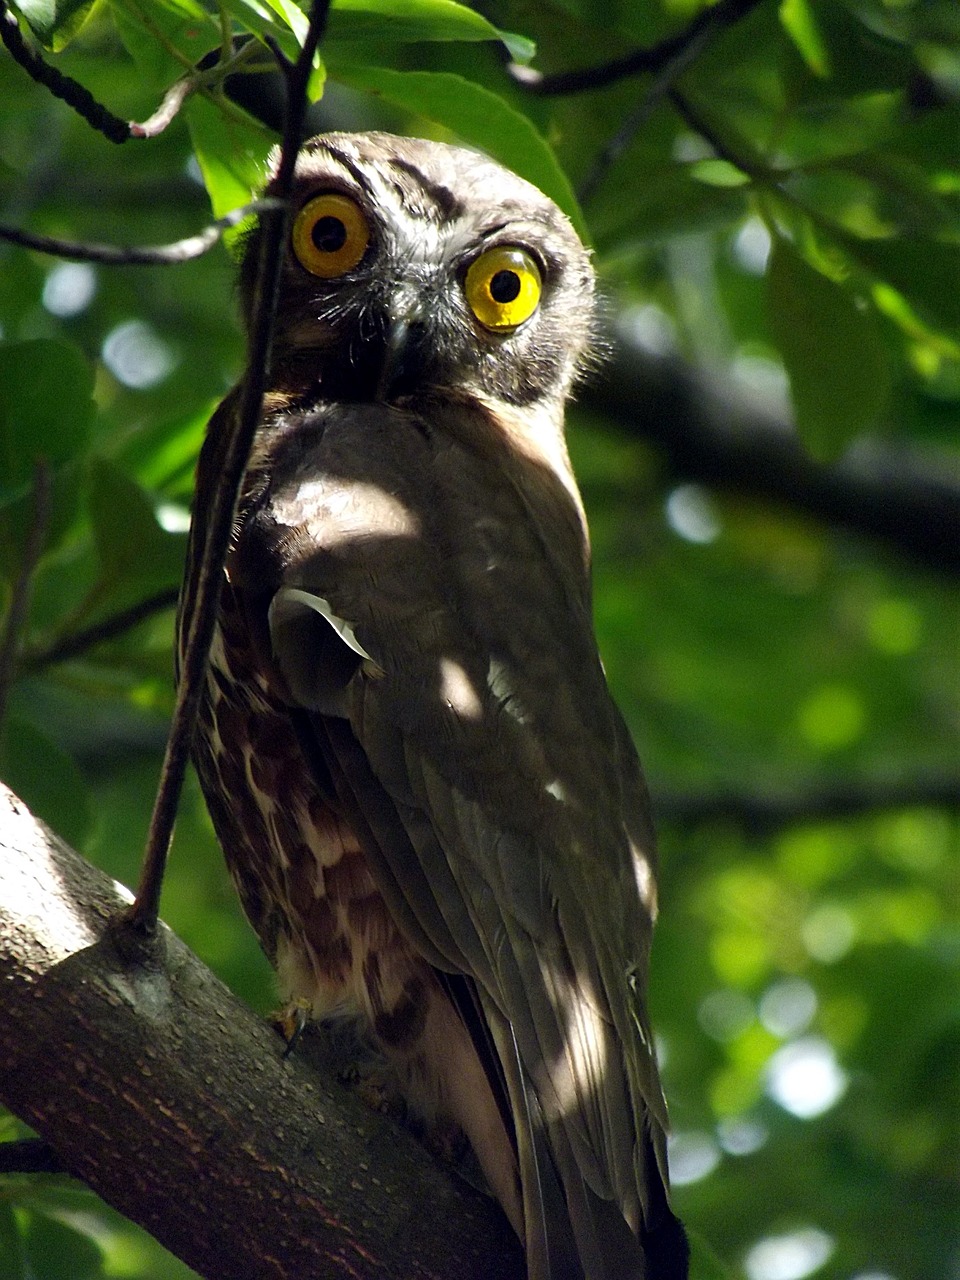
x: 640, y: 61
x: 149, y: 1078
x: 63, y: 87
x: 760, y: 812
x: 192, y: 675
x: 115, y: 255
x: 711, y: 432
x: 78, y: 642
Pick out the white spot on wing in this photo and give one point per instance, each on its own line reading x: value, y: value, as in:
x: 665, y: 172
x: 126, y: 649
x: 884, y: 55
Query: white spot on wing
x: 500, y: 684
x: 643, y: 877
x: 457, y: 690
x: 286, y: 601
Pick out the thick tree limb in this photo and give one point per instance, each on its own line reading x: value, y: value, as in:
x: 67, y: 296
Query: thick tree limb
x: 172, y: 1100
x: 762, y: 811
x: 710, y: 433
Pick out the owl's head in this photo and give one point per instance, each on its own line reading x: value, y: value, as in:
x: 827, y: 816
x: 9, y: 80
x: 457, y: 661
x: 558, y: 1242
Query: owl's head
x: 416, y: 265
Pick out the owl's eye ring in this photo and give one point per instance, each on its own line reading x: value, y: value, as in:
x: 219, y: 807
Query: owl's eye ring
x: 503, y: 287
x: 330, y: 235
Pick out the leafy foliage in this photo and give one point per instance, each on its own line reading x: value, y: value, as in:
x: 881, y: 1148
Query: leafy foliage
x: 784, y: 211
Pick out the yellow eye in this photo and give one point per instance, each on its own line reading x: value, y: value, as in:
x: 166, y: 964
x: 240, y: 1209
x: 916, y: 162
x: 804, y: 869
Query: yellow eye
x: 503, y: 287
x: 330, y: 235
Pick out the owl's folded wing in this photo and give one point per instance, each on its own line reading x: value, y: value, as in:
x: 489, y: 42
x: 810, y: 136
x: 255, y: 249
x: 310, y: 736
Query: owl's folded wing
x: 475, y: 743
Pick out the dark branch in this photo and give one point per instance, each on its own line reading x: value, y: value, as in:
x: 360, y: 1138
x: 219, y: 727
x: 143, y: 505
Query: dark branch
x: 78, y: 642
x: 710, y: 432
x: 759, y: 813
x: 69, y: 91
x: 152, y: 1078
x: 113, y: 255
x: 29, y: 1155
x: 193, y: 669
x: 641, y: 61
x: 20, y: 596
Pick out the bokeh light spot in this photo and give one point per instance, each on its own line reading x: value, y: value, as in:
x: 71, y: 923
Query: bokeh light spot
x: 693, y: 1156
x: 742, y: 1135
x: 751, y: 247
x: 690, y: 513
x: 69, y: 288
x: 894, y: 627
x: 790, y: 1256
x: 832, y: 717
x: 788, y: 1007
x: 724, y: 1014
x: 137, y: 356
x: 828, y: 933
x: 805, y: 1078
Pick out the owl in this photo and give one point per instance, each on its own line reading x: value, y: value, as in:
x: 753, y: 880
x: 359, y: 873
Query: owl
x: 429, y: 803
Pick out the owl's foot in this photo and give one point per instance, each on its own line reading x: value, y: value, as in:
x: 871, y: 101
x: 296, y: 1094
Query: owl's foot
x: 446, y: 1141
x: 291, y: 1022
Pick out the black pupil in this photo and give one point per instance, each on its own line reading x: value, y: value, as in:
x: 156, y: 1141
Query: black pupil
x: 505, y: 286
x: 328, y: 234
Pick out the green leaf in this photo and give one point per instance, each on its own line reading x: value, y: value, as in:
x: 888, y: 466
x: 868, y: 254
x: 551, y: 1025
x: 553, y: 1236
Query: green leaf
x: 832, y: 351
x: 414, y: 20
x: 232, y: 155
x: 154, y: 38
x: 801, y: 25
x: 925, y: 271
x: 16, y: 518
x: 46, y: 779
x: 478, y: 117
x: 46, y: 410
x: 12, y: 1261
x: 718, y: 173
x: 136, y: 555
x: 55, y: 22
x: 60, y: 1252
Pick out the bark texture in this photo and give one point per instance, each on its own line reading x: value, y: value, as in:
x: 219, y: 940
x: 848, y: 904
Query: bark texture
x: 173, y: 1102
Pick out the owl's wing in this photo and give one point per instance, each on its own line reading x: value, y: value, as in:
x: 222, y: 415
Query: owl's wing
x: 490, y: 776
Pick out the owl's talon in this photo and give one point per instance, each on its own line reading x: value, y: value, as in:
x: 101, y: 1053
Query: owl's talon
x: 291, y: 1023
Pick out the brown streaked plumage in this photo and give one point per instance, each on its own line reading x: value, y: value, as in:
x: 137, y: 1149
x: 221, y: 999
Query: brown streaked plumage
x: 430, y: 805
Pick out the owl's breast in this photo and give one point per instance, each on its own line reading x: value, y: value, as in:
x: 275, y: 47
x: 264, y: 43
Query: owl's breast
x: 301, y: 875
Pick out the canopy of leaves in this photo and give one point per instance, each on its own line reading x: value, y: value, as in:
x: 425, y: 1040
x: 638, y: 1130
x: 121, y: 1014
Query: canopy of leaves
x: 781, y: 210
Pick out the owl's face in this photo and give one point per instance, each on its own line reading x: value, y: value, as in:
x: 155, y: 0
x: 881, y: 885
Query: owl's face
x: 415, y: 265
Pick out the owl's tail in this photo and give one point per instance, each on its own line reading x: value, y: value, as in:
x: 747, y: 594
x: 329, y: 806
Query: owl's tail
x: 571, y: 1232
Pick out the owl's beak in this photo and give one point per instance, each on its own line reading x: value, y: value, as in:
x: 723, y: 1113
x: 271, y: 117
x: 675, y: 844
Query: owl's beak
x: 403, y: 349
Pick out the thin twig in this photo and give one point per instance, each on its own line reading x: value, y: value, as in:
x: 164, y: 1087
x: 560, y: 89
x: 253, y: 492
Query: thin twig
x: 696, y: 37
x: 751, y: 166
x: 168, y: 109
x: 209, y: 74
x: 20, y: 599
x: 114, y: 255
x: 63, y: 87
x: 79, y: 642
x: 640, y: 61
x: 143, y: 914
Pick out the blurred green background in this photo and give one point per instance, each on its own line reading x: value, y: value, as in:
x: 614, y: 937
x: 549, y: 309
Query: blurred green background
x: 785, y: 221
